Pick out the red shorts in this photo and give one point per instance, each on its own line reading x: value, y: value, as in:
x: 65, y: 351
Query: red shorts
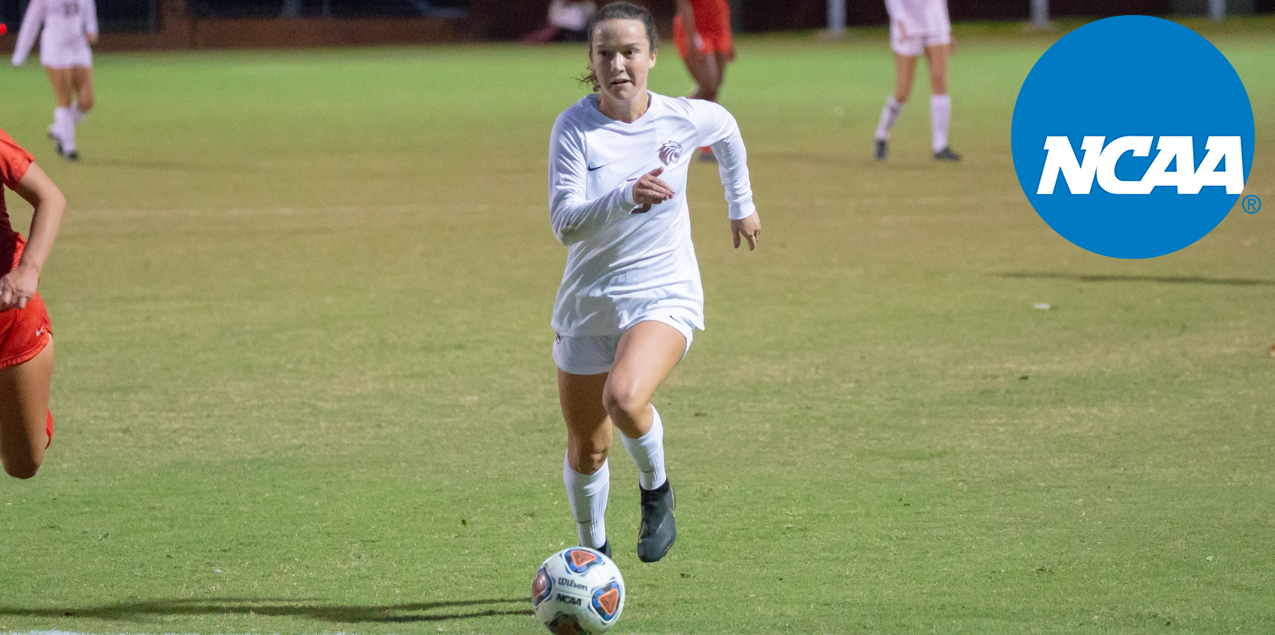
x: 23, y: 332
x: 712, y: 34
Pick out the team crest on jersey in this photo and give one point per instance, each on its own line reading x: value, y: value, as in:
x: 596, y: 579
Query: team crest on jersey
x: 670, y: 152
x: 581, y: 560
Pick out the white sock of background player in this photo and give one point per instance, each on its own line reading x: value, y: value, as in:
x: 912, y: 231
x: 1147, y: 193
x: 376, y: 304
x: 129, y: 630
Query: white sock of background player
x: 889, y: 115
x: 940, y: 118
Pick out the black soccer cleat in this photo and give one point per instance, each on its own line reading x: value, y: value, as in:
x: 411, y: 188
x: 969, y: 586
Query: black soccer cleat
x: 605, y: 549
x: 71, y: 156
x: 946, y: 154
x: 659, y: 531
x: 879, y: 150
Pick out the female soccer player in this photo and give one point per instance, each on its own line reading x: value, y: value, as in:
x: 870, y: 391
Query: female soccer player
x: 26, y: 339
x: 917, y: 25
x: 631, y: 295
x: 70, y: 26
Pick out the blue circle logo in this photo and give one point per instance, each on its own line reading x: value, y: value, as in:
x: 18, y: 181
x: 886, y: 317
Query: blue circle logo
x: 1133, y: 137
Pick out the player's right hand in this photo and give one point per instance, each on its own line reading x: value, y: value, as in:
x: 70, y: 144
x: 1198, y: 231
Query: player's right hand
x: 17, y: 287
x: 650, y: 190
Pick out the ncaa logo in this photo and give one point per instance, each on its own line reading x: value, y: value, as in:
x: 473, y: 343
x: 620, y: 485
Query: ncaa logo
x: 1133, y: 137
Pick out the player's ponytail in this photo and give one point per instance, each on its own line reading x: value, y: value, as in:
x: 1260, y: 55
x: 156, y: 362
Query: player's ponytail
x: 619, y: 11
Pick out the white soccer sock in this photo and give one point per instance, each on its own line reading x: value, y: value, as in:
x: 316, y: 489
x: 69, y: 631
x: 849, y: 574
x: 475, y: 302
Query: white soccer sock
x: 940, y: 118
x: 79, y: 114
x: 648, y: 453
x: 64, y: 128
x: 587, y: 494
x: 889, y: 115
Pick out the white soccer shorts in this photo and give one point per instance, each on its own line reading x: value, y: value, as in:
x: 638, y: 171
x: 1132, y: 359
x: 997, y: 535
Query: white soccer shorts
x: 594, y: 354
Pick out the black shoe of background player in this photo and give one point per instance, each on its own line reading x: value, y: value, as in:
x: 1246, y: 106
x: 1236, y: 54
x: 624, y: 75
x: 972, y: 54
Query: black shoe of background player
x: 879, y: 150
x: 946, y: 154
x: 71, y: 156
x: 659, y: 531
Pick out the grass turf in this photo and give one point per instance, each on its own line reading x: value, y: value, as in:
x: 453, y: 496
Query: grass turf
x: 303, y: 385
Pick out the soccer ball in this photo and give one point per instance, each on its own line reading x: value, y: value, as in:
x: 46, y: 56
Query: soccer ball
x: 578, y: 591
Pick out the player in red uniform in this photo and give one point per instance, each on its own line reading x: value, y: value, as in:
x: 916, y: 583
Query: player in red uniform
x: 708, y: 49
x: 26, y: 338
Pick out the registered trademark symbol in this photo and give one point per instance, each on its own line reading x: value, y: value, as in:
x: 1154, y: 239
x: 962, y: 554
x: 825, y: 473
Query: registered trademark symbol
x: 1251, y: 204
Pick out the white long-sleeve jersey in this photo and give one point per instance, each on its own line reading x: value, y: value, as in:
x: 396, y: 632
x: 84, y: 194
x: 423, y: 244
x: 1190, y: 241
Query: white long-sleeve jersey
x: 920, y: 17
x: 625, y: 261
x: 66, y: 26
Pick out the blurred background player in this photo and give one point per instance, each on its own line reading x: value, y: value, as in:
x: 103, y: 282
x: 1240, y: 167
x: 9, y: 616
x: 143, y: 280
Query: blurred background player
x: 916, y: 26
x: 701, y: 30
x: 26, y: 338
x: 568, y: 21
x: 70, y: 26
x: 631, y: 295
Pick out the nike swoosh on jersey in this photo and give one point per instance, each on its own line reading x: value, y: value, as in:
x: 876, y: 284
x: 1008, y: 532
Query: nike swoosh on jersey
x: 598, y: 168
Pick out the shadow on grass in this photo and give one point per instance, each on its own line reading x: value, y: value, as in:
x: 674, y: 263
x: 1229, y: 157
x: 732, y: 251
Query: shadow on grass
x: 393, y: 613
x: 1232, y: 282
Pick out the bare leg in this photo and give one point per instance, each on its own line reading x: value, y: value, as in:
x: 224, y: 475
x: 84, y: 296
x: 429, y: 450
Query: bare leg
x: 723, y: 59
x: 62, y: 83
x: 24, y: 411
x: 82, y: 81
x: 586, y: 476
x: 647, y: 353
x: 588, y: 427
x: 904, y: 71
x: 936, y: 58
x: 940, y: 102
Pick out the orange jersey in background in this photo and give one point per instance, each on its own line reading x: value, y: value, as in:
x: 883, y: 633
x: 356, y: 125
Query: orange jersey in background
x: 23, y: 332
x: 712, y: 28
x: 14, y: 162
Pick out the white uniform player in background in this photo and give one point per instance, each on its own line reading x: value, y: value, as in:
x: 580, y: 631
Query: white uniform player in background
x: 631, y: 296
x: 918, y: 26
x: 70, y: 26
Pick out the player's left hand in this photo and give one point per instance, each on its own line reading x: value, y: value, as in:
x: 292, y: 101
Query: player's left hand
x: 92, y: 37
x: 749, y: 228
x: 17, y: 287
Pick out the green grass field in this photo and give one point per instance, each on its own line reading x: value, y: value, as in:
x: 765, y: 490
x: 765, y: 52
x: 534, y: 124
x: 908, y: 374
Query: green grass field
x: 303, y: 381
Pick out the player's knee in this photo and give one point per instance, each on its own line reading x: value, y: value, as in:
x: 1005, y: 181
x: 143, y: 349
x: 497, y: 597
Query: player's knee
x: 22, y: 469
x: 624, y: 403
x: 588, y: 459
